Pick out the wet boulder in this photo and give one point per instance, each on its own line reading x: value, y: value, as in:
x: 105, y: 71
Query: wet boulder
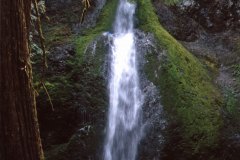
x: 213, y: 15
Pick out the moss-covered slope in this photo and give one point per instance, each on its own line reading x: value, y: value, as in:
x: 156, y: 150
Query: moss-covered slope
x: 186, y: 88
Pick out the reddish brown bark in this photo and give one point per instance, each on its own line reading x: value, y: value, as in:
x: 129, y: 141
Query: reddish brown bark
x: 19, y: 131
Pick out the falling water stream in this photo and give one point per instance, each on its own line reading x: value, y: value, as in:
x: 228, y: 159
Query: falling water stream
x: 125, y: 99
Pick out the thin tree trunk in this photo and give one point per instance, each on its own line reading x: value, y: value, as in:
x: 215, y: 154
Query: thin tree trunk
x: 19, y: 130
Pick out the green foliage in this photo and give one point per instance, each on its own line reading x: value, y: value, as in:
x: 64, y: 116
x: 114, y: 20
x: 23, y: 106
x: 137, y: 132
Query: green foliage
x: 187, y: 91
x: 104, y: 24
x: 172, y: 2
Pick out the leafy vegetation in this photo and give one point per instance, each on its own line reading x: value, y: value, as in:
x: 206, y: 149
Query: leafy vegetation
x: 187, y: 90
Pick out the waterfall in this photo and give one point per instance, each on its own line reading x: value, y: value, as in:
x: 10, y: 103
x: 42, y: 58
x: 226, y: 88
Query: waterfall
x: 125, y: 97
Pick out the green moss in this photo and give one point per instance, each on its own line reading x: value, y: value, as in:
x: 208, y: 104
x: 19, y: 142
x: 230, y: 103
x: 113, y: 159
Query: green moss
x: 104, y: 24
x: 81, y: 145
x: 132, y: 1
x: 56, y: 34
x: 186, y: 88
x: 59, y: 88
x: 57, y: 152
x: 80, y: 78
x: 172, y: 2
x: 96, y: 60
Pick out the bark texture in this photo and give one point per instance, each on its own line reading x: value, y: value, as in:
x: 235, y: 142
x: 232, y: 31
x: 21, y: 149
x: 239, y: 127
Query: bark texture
x: 19, y: 130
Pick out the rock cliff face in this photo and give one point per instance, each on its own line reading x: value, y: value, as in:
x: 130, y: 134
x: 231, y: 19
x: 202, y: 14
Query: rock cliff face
x: 70, y: 12
x: 213, y: 15
x: 75, y: 129
x: 187, y: 20
x: 192, y: 102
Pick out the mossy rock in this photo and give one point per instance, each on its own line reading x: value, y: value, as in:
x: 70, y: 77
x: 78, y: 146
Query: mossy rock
x: 187, y: 91
x: 79, y: 96
x: 104, y: 24
x: 96, y: 55
x: 82, y: 145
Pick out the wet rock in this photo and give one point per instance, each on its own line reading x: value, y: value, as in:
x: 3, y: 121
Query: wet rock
x: 55, y: 5
x: 97, y: 54
x: 188, y: 20
x: 213, y: 15
x: 154, y: 116
x: 70, y: 12
x: 74, y: 131
x: 91, y: 16
x: 179, y: 25
x: 58, y: 58
x: 80, y: 146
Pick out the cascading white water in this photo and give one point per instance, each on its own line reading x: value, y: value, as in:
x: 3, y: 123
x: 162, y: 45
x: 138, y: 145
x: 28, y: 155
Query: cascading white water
x: 124, y: 119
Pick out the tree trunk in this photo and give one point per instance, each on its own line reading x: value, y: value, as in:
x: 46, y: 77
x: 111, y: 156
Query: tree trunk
x: 19, y: 130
